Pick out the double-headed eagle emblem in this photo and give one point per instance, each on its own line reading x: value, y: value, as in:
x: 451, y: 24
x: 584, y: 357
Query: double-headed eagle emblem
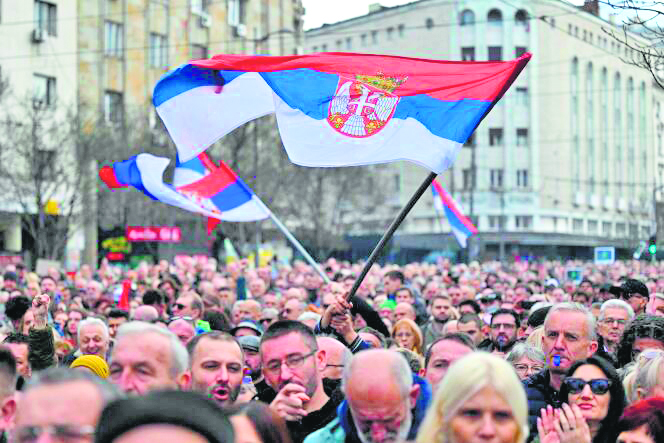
x: 362, y: 106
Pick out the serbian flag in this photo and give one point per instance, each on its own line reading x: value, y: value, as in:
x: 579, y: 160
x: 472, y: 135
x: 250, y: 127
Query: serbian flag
x: 462, y: 227
x: 198, y: 186
x: 336, y: 109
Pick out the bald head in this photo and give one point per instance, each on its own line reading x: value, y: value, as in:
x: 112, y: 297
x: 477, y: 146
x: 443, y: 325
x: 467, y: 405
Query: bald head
x: 404, y: 310
x: 146, y: 313
x: 337, y: 356
x: 375, y: 370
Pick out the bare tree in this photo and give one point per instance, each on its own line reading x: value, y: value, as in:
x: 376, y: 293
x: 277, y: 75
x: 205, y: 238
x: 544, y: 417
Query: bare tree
x: 645, y: 18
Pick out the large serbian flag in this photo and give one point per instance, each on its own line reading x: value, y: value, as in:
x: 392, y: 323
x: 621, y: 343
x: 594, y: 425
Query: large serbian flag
x: 199, y: 185
x: 336, y: 109
x: 462, y: 227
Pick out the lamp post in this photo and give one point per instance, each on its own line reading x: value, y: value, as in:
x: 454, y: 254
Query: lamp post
x: 256, y: 42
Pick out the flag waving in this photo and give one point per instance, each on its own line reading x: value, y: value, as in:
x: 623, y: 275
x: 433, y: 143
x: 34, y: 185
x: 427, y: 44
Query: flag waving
x: 336, y: 109
x: 462, y: 227
x: 198, y: 186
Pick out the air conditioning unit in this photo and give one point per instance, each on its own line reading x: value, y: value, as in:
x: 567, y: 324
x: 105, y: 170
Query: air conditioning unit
x: 241, y: 30
x: 205, y: 20
x: 38, y: 35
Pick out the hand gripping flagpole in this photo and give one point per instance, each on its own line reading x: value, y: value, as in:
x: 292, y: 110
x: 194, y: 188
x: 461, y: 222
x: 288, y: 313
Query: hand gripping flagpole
x: 294, y: 242
x: 390, y: 231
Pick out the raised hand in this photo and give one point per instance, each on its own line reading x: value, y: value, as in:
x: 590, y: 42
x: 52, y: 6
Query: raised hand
x: 289, y: 402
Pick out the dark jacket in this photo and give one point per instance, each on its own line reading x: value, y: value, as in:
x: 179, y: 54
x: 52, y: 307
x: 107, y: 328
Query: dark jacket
x: 540, y: 393
x: 317, y: 419
x: 41, y: 349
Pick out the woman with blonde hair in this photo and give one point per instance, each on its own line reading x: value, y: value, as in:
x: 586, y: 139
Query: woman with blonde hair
x: 646, y: 376
x: 408, y: 335
x: 535, y: 338
x: 479, y: 388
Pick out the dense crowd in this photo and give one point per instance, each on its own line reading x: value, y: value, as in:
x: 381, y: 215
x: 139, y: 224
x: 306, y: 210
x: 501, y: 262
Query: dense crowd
x: 196, y: 351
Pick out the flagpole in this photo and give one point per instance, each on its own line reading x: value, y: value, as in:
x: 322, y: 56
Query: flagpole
x: 284, y: 230
x: 390, y: 231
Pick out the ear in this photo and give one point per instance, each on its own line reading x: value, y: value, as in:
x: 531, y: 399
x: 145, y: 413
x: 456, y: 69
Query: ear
x: 485, y: 330
x: 321, y: 360
x: 422, y: 372
x: 184, y: 381
x: 640, y: 393
x: 593, y: 347
x: 413, y: 394
x: 7, y: 411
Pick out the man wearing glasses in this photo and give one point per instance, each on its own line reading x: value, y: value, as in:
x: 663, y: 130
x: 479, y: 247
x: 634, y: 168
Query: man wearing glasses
x: 63, y: 403
x: 636, y: 294
x: 614, y: 315
x: 293, y: 366
x: 504, y: 328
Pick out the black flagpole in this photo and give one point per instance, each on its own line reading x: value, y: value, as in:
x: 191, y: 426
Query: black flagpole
x: 390, y: 231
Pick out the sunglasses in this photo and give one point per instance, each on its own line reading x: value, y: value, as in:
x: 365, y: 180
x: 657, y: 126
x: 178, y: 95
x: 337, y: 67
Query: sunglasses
x: 599, y: 386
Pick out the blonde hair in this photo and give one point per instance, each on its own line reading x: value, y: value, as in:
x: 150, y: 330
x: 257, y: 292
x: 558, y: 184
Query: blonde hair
x: 417, y: 332
x: 465, y: 378
x: 649, y: 365
x: 535, y: 338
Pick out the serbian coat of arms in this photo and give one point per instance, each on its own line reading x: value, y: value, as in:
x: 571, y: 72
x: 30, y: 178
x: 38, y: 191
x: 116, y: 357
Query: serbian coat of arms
x: 361, y: 107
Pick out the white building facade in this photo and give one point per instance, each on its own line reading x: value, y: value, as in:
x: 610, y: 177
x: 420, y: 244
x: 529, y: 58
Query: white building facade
x: 571, y: 156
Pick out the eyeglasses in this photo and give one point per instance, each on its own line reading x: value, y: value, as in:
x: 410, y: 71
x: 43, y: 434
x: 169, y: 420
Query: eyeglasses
x: 598, y: 386
x: 292, y: 361
x: 506, y: 326
x: 65, y: 433
x: 611, y: 321
x: 180, y: 317
x: 525, y: 368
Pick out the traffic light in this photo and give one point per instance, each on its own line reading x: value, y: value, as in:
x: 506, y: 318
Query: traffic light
x: 652, y: 245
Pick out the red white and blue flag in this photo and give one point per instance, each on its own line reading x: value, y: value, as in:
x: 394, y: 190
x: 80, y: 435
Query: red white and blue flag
x: 198, y: 186
x: 336, y: 109
x: 461, y: 226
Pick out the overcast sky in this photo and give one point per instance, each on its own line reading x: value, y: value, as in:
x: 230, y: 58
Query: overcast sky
x: 319, y: 12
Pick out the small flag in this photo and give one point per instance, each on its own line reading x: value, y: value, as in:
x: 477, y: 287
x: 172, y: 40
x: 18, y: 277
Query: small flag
x: 462, y: 227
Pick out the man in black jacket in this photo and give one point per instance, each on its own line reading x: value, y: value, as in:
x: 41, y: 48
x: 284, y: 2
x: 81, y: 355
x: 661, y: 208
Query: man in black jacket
x: 569, y: 336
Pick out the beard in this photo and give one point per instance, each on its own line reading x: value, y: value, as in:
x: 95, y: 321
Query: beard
x: 392, y: 436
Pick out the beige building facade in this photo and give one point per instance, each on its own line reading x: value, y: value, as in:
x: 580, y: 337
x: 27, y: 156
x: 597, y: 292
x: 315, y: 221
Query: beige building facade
x: 571, y: 156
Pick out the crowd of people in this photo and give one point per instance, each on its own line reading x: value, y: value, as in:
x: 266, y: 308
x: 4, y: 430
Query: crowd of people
x: 198, y: 351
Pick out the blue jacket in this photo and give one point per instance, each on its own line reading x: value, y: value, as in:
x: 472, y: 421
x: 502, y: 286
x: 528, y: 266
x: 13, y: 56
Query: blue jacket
x: 342, y: 429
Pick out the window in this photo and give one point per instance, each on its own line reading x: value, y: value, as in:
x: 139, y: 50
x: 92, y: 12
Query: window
x: 43, y: 167
x: 374, y: 37
x: 606, y: 228
x: 113, y: 108
x: 323, y: 47
x: 522, y: 136
x: 390, y: 33
x: 523, y: 221
x: 617, y: 125
x: 569, y: 28
x: 467, y: 17
x: 633, y: 230
x: 468, y: 54
x: 314, y: 49
x: 237, y: 12
x: 471, y: 141
x: 522, y: 178
x: 199, y: 52
x: 113, y: 41
x: 363, y: 39
x: 496, y: 178
x: 429, y: 23
x: 577, y: 225
x: 495, y: 53
x: 338, y: 43
x: 521, y: 18
x: 401, y: 29
x: 158, y: 50
x: 593, y: 227
x: 349, y: 43
x: 497, y: 221
x: 552, y: 22
x: 46, y: 17
x: 520, y: 50
x: 522, y: 96
x: 495, y: 136
x: 621, y: 229
x: 468, y: 178
x: 44, y: 91
x: 495, y: 17
x: 397, y: 183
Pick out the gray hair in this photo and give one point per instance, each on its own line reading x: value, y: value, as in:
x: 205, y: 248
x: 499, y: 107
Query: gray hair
x: 575, y: 307
x: 649, y: 365
x: 92, y: 321
x: 658, y: 295
x: 309, y: 316
x: 56, y: 376
x: 615, y: 304
x: 179, y: 355
x: 539, y: 305
x: 403, y: 377
x: 521, y: 350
